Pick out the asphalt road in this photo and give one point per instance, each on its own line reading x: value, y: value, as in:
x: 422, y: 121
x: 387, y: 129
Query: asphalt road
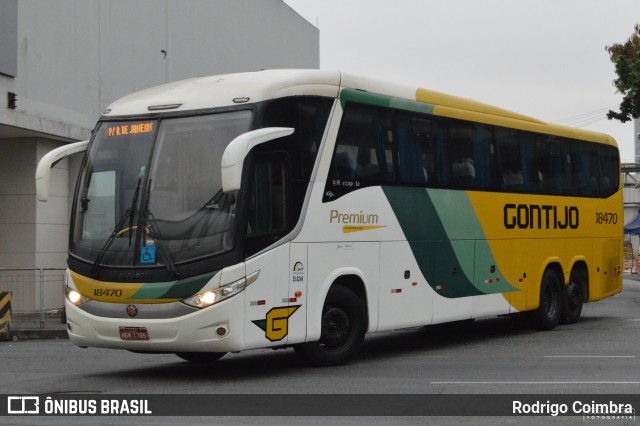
x: 598, y: 355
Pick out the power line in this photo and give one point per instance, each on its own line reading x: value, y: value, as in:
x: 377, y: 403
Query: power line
x: 573, y: 117
x: 584, y: 119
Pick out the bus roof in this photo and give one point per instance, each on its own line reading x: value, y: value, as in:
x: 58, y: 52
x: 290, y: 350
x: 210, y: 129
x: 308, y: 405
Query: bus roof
x: 233, y: 89
x: 221, y: 90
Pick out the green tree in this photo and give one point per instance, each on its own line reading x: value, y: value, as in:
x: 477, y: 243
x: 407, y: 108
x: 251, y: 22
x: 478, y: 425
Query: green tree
x: 626, y: 57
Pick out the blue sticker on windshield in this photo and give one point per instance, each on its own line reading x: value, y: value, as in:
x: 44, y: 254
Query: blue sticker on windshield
x: 147, y: 254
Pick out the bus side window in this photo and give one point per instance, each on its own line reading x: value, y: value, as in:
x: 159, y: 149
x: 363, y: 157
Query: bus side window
x: 531, y: 175
x: 364, y: 153
x: 584, y: 168
x: 443, y: 177
x: 417, y: 150
x: 510, y: 159
x: 483, y: 156
x: 268, y: 216
x: 608, y: 164
x: 461, y: 152
x: 308, y: 115
x: 470, y: 153
x: 553, y: 160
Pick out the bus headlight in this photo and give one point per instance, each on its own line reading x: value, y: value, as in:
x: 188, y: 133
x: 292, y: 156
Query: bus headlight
x: 75, y: 297
x: 211, y: 296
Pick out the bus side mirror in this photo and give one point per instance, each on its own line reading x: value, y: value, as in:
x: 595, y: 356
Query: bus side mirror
x: 237, y: 150
x: 43, y: 171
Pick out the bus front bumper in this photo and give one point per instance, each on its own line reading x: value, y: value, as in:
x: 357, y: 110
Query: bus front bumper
x: 218, y: 328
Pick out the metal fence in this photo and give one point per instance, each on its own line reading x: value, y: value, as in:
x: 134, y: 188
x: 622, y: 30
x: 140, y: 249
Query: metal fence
x: 34, y: 290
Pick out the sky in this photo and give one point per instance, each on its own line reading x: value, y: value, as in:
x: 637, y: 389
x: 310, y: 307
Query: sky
x: 542, y: 58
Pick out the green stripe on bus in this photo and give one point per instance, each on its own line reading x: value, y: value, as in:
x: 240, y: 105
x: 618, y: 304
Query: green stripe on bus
x: 153, y: 290
x: 465, y: 223
x: 188, y: 287
x: 431, y: 221
x: 180, y: 289
x: 359, y: 96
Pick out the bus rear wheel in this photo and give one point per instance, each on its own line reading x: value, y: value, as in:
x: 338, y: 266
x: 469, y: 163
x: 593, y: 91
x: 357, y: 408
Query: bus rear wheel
x: 547, y: 316
x: 201, y: 357
x: 573, y: 298
x: 342, y: 330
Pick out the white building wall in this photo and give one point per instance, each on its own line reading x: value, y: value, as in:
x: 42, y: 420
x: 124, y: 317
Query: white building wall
x: 17, y: 203
x: 77, y: 56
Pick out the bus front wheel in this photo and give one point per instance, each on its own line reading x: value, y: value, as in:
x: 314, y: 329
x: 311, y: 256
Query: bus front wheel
x: 342, y: 331
x: 547, y: 316
x: 201, y: 357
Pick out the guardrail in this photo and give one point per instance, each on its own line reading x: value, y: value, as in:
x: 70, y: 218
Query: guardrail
x: 34, y: 290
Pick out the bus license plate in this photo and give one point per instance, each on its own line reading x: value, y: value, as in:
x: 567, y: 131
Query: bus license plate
x: 134, y: 333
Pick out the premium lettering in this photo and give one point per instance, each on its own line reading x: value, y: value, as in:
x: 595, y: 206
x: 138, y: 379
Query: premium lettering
x: 353, y: 218
x: 533, y: 216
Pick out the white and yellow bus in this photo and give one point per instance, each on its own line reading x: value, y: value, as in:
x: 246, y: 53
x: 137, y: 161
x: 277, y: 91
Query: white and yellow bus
x: 305, y: 209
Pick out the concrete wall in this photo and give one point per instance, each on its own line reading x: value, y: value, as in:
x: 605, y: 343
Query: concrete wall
x: 9, y: 37
x: 77, y: 56
x: 17, y: 203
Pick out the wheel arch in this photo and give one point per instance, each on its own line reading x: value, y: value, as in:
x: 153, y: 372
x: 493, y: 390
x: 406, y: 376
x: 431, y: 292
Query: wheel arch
x: 355, y: 284
x: 555, y: 265
x: 580, y: 268
x: 351, y: 278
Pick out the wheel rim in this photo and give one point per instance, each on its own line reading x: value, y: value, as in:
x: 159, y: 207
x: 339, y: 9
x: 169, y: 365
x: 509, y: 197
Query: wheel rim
x: 336, y: 327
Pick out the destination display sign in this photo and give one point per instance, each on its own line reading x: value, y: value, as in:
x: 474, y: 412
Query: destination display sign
x: 129, y: 129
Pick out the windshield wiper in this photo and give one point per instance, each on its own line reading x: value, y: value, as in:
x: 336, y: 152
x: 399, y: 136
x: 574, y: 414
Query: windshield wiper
x: 212, y: 204
x: 130, y: 212
x: 165, y: 255
x: 145, y: 214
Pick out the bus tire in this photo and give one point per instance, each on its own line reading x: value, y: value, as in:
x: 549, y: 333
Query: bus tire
x: 342, y: 332
x: 547, y: 316
x: 573, y: 298
x: 201, y: 357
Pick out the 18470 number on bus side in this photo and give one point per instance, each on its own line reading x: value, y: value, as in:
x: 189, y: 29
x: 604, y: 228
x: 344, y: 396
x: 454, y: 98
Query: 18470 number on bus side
x: 603, y: 218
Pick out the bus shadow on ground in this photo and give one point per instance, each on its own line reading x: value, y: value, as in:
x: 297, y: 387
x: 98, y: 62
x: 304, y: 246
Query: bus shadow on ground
x: 440, y: 336
x: 265, y: 363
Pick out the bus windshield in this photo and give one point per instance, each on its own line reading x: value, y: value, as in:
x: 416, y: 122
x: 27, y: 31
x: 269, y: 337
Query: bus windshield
x: 150, y: 191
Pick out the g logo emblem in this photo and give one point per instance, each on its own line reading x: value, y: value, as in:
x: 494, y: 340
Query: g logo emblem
x: 276, y: 325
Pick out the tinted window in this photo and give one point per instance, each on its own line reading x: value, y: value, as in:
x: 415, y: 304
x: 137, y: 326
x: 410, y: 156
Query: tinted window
x: 440, y: 152
x: 552, y: 164
x: 609, y: 165
x: 584, y: 168
x: 512, y: 175
x: 268, y: 209
x: 364, y: 153
x: 308, y: 116
x: 417, y: 150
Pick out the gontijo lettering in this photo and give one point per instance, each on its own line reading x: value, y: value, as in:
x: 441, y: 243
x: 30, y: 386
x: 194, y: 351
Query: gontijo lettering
x: 533, y: 216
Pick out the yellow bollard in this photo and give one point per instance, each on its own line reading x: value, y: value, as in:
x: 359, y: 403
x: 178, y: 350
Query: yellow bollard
x: 5, y: 315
